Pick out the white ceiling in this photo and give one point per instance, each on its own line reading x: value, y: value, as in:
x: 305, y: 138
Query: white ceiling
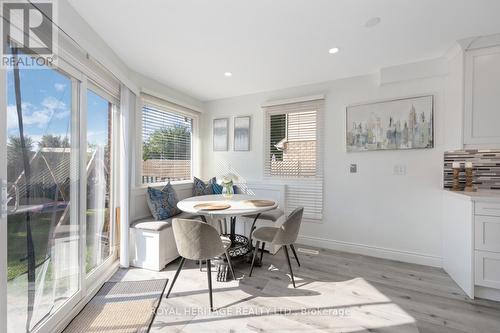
x: 273, y: 44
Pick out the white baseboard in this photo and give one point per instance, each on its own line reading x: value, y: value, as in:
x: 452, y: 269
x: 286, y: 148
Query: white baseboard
x: 373, y: 251
x: 487, y: 293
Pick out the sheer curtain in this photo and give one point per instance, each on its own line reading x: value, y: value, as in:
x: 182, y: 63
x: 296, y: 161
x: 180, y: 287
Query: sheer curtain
x: 128, y: 107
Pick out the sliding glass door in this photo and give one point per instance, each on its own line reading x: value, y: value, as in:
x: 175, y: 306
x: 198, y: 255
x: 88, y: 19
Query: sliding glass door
x: 42, y: 175
x: 59, y: 189
x: 99, y: 214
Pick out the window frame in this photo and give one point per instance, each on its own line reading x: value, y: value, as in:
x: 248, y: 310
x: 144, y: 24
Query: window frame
x: 294, y: 184
x: 165, y: 106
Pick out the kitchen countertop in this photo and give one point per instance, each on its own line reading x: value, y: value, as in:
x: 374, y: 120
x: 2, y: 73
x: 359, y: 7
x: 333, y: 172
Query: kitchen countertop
x: 480, y: 195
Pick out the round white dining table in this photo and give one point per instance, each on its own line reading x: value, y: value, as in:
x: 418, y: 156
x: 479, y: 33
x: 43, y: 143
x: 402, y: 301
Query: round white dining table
x: 239, y: 205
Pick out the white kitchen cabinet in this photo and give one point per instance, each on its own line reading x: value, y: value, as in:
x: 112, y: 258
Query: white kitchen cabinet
x: 471, y: 241
x: 482, y: 98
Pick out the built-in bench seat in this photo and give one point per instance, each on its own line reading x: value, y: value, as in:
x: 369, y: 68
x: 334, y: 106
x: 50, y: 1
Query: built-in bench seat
x: 152, y: 242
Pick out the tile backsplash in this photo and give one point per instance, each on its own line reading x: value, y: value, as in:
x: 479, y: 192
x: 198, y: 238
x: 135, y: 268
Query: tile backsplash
x: 486, y: 167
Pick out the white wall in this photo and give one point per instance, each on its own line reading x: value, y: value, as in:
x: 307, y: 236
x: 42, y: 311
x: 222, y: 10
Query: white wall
x: 373, y: 211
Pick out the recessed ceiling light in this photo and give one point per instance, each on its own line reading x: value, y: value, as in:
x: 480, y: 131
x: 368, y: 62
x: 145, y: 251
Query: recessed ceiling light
x: 228, y: 74
x: 372, y: 22
x: 333, y: 50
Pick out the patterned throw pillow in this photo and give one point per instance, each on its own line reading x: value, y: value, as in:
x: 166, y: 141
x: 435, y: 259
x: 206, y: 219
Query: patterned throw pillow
x: 162, y: 203
x: 202, y: 188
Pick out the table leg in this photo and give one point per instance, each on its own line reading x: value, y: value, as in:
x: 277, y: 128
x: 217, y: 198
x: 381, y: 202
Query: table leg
x: 233, y: 228
x: 222, y: 269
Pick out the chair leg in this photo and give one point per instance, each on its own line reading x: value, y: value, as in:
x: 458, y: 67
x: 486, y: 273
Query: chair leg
x: 262, y: 251
x: 295, y: 254
x: 176, y: 275
x: 253, y: 258
x: 289, y: 264
x: 209, y: 276
x: 230, y: 264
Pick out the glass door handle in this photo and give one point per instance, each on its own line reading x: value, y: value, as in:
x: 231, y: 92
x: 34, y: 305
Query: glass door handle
x: 13, y: 209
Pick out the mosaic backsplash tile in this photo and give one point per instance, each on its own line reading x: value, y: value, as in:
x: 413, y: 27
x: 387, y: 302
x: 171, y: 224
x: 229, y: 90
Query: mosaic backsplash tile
x: 486, y: 167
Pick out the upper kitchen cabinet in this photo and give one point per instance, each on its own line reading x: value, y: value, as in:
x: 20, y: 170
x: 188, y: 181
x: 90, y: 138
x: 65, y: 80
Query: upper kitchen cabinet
x: 482, y: 98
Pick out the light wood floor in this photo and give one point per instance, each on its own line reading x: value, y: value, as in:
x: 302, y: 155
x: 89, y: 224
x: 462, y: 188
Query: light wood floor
x: 337, y: 292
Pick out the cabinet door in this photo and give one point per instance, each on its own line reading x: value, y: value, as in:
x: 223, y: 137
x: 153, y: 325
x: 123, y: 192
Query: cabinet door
x: 487, y: 233
x: 482, y: 97
x: 458, y: 247
x: 488, y: 269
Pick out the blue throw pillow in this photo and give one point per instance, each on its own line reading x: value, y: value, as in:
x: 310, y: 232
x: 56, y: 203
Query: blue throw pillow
x: 217, y: 189
x: 162, y: 203
x: 202, y: 188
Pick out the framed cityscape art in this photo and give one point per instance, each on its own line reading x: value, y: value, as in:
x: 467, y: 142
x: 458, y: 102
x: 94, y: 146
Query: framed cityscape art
x: 405, y: 123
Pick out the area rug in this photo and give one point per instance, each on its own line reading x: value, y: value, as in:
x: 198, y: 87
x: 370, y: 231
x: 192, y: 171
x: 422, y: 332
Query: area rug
x: 120, y: 307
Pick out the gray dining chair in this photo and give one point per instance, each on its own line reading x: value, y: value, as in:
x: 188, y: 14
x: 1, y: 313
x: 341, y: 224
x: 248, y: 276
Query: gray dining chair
x: 270, y: 215
x: 284, y: 236
x: 197, y: 240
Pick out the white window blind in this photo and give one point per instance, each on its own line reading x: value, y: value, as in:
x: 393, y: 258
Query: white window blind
x: 293, y: 153
x: 167, y: 143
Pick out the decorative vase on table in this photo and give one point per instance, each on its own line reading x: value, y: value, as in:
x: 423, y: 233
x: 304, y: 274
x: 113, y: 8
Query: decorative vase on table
x: 227, y: 190
x: 227, y: 185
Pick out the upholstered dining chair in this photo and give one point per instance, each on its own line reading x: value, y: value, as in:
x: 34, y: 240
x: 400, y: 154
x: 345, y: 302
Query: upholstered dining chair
x: 284, y: 236
x: 270, y: 215
x: 197, y: 240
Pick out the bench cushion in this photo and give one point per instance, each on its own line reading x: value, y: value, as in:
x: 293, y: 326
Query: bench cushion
x: 150, y: 223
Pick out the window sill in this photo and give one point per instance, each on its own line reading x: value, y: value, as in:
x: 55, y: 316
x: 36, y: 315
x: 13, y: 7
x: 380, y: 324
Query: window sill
x: 176, y: 184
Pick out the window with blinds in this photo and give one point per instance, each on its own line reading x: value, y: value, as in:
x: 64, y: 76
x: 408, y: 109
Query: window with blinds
x: 166, y: 145
x: 293, y: 153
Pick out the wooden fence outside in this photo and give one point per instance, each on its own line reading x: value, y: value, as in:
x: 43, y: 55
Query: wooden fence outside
x: 154, y: 171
